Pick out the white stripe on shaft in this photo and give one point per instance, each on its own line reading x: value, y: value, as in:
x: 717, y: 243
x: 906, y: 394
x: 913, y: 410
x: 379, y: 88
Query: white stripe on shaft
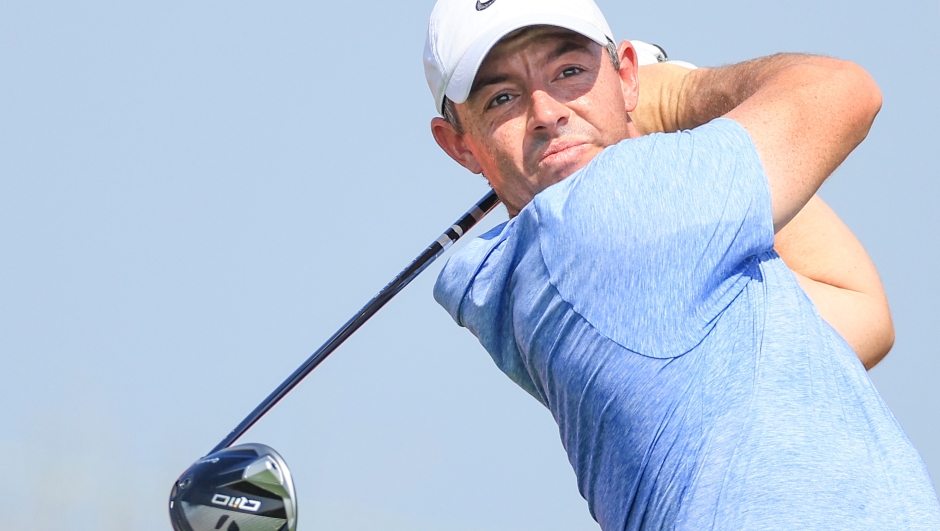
x: 445, y: 241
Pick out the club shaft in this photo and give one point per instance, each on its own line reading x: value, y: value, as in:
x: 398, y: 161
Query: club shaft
x: 425, y: 259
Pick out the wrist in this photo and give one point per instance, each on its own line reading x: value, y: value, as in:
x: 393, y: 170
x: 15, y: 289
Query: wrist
x: 663, y: 96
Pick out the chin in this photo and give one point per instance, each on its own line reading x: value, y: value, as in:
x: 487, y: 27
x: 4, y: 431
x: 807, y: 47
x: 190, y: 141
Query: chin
x: 562, y: 173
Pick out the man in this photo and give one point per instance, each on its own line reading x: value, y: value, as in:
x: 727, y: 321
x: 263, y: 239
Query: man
x: 636, y: 291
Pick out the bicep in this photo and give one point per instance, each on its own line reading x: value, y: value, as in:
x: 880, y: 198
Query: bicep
x: 862, y: 320
x: 839, y: 277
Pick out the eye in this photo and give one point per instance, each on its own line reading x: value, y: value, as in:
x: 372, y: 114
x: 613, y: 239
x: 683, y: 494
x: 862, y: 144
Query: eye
x: 570, y: 71
x: 499, y: 100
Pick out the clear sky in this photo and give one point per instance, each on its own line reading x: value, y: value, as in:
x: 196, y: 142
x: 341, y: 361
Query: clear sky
x: 194, y: 195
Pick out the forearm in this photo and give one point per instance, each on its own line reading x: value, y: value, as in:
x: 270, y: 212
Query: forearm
x: 712, y: 92
x: 840, y: 278
x: 674, y: 98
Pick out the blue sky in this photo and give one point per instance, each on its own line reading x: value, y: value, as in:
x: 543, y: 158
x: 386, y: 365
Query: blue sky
x: 193, y: 196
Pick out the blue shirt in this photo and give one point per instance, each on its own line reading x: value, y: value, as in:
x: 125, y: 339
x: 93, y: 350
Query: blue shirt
x: 693, y: 382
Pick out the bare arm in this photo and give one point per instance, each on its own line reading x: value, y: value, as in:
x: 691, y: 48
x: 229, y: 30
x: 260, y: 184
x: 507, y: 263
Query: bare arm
x: 805, y: 114
x: 828, y: 260
x: 839, y: 277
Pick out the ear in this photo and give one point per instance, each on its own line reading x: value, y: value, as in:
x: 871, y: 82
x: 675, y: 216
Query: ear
x: 629, y: 83
x: 454, y: 144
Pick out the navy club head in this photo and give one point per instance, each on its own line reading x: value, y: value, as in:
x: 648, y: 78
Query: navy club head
x: 243, y: 488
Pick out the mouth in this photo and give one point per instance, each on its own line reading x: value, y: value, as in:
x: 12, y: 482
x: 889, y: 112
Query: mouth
x: 563, y: 152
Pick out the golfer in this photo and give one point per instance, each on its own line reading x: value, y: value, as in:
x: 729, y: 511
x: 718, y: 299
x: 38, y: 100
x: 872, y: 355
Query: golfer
x: 636, y: 291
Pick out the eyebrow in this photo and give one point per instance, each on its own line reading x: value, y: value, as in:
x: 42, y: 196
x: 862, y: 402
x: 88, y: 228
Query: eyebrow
x: 486, y: 81
x: 566, y: 47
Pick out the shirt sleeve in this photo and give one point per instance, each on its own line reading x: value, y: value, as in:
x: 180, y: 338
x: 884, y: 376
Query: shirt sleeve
x: 655, y: 238
x: 474, y: 288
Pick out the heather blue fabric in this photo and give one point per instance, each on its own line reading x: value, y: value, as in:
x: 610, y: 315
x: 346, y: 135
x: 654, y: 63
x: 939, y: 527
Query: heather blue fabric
x: 694, y: 384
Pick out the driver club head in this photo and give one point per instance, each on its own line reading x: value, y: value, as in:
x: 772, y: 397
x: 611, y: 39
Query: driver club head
x: 242, y: 488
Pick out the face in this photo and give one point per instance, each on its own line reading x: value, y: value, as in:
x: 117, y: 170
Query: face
x: 544, y: 103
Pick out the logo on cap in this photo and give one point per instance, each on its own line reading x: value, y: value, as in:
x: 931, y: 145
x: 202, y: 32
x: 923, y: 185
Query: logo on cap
x: 483, y: 5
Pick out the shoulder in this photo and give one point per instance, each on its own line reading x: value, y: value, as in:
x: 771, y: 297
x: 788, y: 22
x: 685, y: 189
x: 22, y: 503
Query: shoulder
x: 718, y: 135
x: 721, y: 141
x: 648, y: 240
x: 645, y: 175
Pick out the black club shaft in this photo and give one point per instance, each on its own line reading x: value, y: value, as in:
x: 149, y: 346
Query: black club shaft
x: 426, y: 258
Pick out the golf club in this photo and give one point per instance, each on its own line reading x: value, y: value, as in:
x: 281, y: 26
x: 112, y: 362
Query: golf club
x: 243, y: 488
x: 249, y: 487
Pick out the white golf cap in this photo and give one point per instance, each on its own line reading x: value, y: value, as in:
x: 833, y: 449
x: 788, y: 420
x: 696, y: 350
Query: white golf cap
x: 462, y: 32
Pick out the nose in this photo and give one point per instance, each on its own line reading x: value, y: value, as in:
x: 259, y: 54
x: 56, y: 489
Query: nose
x: 546, y: 113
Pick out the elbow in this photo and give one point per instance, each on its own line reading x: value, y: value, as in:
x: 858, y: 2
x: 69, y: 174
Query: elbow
x: 862, y: 98
x: 875, y: 97
x: 888, y: 343
x: 869, y: 98
x: 882, y: 341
